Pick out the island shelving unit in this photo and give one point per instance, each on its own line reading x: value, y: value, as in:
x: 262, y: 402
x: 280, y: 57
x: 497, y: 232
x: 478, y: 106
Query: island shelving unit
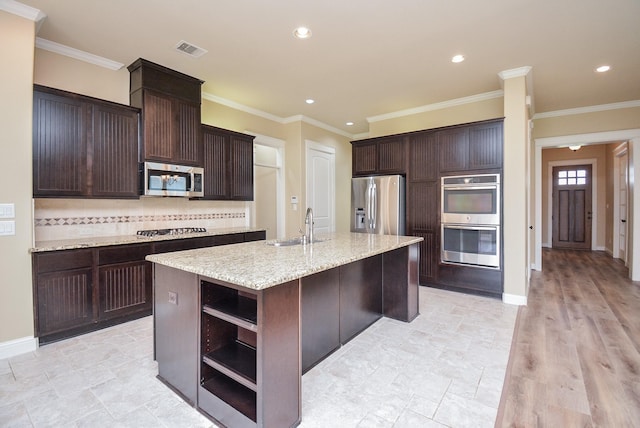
x: 235, y: 329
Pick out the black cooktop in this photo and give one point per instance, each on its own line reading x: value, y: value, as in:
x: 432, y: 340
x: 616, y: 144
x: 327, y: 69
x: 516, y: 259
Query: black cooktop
x: 175, y: 231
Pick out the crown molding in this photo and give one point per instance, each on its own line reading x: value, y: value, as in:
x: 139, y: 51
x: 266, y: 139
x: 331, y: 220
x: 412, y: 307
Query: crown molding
x: 437, y: 106
x: 24, y: 11
x: 282, y: 120
x: 588, y: 109
x: 237, y: 106
x: 515, y: 72
x: 61, y: 49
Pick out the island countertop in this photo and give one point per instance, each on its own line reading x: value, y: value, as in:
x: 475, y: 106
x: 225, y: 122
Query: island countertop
x: 258, y: 265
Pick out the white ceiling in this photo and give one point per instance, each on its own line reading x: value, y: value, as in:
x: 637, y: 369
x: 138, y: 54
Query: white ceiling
x: 367, y: 57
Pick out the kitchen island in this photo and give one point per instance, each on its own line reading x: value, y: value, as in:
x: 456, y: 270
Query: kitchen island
x: 236, y: 326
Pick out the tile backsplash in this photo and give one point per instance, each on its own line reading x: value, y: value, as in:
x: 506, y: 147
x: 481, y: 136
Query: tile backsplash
x: 77, y: 218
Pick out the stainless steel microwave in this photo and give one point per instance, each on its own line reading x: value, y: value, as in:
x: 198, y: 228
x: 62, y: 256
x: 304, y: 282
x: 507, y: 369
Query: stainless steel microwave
x: 161, y: 179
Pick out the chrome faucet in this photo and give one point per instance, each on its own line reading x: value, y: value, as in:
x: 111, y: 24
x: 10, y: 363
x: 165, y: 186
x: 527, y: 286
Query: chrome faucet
x: 308, y: 221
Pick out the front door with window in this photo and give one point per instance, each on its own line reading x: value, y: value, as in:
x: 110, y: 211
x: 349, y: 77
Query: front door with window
x: 572, y: 207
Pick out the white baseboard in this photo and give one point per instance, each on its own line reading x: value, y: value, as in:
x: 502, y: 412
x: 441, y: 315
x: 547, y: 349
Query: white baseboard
x: 545, y: 245
x: 514, y: 299
x: 601, y: 248
x: 15, y: 347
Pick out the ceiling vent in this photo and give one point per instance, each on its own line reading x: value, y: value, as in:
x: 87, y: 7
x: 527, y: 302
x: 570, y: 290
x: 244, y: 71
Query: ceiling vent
x: 189, y: 49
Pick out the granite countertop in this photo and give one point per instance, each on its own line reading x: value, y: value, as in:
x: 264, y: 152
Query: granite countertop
x: 257, y: 265
x: 103, y: 241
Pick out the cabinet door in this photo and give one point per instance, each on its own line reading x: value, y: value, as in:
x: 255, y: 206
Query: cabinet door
x: 423, y: 221
x: 364, y: 158
x: 453, y: 145
x: 391, y: 156
x: 125, y: 288
x: 241, y: 168
x: 485, y: 146
x: 320, y: 316
x: 188, y: 142
x: 360, y: 296
x: 115, y: 152
x: 159, y: 126
x: 215, y: 163
x: 423, y: 157
x: 59, y: 145
x: 64, y: 300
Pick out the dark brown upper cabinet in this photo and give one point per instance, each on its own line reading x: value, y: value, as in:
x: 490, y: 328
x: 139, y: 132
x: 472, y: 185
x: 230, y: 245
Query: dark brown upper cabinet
x: 379, y: 156
x: 228, y: 164
x: 83, y: 147
x: 470, y: 148
x: 170, y: 103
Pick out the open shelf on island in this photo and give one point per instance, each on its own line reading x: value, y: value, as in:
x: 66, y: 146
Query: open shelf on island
x: 236, y: 360
x: 234, y: 394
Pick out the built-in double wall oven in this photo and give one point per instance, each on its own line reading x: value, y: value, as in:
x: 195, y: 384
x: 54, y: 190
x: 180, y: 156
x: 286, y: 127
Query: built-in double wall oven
x: 470, y: 220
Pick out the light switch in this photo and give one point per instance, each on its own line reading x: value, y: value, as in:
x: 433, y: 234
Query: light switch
x: 7, y: 210
x: 7, y: 227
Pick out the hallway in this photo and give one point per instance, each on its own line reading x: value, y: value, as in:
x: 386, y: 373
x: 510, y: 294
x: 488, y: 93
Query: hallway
x: 575, y: 355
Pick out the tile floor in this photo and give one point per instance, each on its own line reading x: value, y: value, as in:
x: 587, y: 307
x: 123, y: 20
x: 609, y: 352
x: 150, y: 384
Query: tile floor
x: 445, y: 369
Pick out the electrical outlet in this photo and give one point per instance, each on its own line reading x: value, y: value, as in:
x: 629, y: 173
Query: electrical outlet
x: 173, y: 297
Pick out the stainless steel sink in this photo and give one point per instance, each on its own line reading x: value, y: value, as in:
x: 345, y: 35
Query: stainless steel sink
x: 290, y: 242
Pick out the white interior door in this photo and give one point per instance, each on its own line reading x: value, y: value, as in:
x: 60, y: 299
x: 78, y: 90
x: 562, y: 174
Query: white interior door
x: 321, y: 166
x: 623, y: 180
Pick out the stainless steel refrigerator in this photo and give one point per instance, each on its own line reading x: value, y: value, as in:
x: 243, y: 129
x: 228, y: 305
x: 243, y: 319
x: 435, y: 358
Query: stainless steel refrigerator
x: 378, y: 205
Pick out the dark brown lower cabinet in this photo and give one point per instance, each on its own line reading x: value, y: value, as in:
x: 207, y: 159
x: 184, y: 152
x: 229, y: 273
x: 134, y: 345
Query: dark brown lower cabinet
x: 360, y: 296
x: 320, y: 297
x: 77, y: 291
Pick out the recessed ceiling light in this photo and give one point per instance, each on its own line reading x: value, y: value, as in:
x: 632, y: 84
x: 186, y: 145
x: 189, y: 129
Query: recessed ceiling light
x: 302, y: 33
x: 457, y: 58
x: 349, y: 123
x: 309, y: 101
x: 603, y: 68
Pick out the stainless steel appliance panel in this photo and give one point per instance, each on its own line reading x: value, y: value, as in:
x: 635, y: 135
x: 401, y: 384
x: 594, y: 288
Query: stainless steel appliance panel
x: 471, y: 199
x: 470, y: 245
x: 378, y: 205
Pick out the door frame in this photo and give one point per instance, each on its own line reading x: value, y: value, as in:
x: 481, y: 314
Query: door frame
x: 279, y: 145
x: 594, y: 197
x: 312, y: 145
x: 631, y: 135
x: 620, y: 150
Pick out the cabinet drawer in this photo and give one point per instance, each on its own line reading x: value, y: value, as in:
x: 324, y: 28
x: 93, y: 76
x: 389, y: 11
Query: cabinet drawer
x: 255, y: 236
x: 125, y: 253
x: 183, y: 244
x: 62, y: 260
x: 232, y: 238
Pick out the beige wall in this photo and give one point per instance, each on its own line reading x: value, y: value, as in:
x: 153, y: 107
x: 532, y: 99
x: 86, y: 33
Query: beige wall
x: 473, y: 112
x: 609, y: 120
x: 62, y: 72
x: 515, y: 228
x: 600, y: 180
x: 16, y: 79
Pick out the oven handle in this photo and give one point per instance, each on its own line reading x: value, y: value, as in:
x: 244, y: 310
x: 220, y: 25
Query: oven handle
x: 466, y: 227
x: 446, y: 187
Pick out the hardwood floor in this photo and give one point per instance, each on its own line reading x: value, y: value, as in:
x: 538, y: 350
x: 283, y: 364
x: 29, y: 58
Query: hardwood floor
x: 575, y: 355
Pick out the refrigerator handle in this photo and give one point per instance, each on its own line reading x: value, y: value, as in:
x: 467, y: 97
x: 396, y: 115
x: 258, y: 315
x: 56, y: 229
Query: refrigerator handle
x: 368, y: 204
x: 374, y: 206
